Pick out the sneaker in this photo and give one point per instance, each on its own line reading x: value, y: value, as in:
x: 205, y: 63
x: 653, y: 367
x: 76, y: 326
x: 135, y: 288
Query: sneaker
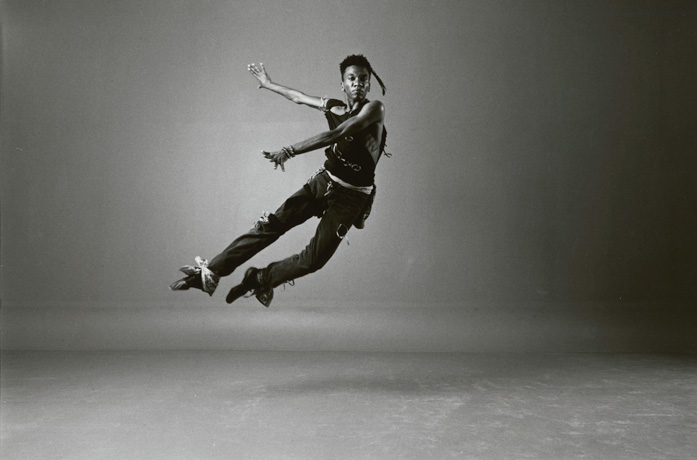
x: 184, y: 284
x: 199, y: 277
x: 254, y: 282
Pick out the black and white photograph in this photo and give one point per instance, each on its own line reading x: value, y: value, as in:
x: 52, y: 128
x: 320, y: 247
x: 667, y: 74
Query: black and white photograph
x: 348, y: 229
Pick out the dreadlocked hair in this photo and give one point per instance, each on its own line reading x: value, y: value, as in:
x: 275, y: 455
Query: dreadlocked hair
x: 362, y: 61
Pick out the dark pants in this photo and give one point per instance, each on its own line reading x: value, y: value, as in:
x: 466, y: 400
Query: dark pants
x: 337, y: 207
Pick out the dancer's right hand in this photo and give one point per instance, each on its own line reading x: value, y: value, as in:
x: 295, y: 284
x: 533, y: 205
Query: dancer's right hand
x: 278, y: 158
x: 259, y: 72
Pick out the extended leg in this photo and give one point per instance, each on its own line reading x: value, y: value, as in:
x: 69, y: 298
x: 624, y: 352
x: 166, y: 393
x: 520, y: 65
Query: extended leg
x: 294, y: 211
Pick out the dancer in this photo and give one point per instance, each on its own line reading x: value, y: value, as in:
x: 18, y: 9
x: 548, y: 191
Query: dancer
x: 340, y: 193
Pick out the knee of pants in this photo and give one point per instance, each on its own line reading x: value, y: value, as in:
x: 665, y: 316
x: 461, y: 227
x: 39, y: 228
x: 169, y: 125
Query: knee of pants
x: 318, y: 261
x: 268, y: 223
x: 310, y: 264
x: 318, y: 264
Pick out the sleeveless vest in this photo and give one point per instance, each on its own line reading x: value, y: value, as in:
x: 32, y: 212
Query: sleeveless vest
x: 350, y: 158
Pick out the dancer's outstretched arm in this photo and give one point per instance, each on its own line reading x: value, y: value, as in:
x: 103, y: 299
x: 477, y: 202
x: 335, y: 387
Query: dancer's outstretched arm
x: 259, y: 72
x: 372, y: 112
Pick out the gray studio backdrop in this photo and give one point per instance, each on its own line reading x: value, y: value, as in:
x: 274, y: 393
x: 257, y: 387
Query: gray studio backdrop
x: 541, y: 193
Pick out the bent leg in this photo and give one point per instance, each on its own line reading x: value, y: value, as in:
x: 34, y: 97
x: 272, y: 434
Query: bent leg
x: 343, y: 208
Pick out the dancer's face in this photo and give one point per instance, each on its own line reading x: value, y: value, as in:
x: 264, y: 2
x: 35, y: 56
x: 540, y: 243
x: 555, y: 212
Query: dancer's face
x: 356, y: 82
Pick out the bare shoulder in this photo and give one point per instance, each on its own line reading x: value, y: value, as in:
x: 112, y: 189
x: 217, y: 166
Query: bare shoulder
x: 338, y: 110
x: 375, y: 109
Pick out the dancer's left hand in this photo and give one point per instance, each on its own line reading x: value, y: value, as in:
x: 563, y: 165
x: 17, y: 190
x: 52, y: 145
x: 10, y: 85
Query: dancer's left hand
x: 278, y: 158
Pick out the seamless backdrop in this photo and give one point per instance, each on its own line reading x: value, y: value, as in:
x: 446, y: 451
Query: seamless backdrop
x: 542, y: 177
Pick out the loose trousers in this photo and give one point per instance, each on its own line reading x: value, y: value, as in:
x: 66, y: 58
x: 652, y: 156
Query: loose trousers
x: 336, y: 206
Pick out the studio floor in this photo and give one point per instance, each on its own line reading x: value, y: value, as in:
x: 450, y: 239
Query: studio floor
x: 315, y: 405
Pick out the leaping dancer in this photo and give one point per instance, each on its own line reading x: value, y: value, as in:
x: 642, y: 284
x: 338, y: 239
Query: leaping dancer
x: 340, y: 193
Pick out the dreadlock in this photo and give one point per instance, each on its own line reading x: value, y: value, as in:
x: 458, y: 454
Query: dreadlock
x: 360, y: 60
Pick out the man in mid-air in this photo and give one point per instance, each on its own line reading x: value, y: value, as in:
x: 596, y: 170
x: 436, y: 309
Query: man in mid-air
x: 340, y: 193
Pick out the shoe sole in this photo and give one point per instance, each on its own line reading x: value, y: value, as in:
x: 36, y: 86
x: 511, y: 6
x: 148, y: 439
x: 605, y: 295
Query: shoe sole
x: 244, y: 287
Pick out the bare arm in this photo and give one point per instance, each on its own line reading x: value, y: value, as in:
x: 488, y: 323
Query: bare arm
x: 259, y: 72
x: 372, y: 112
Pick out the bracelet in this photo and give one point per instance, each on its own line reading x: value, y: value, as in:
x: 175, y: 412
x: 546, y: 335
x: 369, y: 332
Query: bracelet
x: 289, y: 151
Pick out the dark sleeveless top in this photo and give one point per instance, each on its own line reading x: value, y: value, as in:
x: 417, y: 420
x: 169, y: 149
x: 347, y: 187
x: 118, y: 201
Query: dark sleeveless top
x: 350, y: 158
